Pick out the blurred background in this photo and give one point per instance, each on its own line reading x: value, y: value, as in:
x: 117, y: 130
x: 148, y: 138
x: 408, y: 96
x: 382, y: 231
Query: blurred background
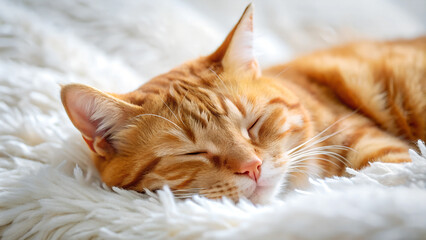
x: 135, y: 40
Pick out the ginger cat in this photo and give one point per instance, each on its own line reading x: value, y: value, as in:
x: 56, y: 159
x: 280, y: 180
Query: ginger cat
x: 218, y: 126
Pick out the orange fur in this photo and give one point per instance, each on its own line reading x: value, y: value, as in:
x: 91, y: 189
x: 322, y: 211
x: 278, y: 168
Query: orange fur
x: 205, y: 126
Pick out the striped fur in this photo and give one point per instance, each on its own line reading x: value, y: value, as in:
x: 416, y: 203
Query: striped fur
x: 193, y: 127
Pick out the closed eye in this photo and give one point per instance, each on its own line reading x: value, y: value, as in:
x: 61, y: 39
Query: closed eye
x: 195, y: 153
x: 254, y: 124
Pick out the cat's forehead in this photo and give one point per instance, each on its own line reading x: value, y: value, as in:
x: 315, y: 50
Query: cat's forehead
x: 219, y: 101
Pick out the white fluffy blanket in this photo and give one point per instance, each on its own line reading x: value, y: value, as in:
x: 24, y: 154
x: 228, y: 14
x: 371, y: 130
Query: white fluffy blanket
x: 48, y: 187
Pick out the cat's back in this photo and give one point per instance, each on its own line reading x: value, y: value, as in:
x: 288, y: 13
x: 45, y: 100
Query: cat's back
x: 385, y: 81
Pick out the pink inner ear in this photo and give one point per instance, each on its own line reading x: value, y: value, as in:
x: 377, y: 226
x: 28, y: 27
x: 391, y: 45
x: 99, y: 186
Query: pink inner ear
x: 239, y: 54
x: 80, y: 113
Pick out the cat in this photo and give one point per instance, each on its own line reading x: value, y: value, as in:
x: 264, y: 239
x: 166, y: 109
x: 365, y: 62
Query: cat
x: 218, y: 126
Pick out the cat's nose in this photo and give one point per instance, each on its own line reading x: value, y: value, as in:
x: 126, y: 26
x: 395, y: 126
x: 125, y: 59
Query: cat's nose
x: 251, y: 168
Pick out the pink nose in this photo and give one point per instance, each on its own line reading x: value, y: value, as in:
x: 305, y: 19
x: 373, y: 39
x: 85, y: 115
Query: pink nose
x: 251, y: 168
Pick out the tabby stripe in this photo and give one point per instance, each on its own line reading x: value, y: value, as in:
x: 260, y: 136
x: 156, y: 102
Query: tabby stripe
x: 290, y: 130
x: 199, y: 119
x: 203, y: 93
x: 240, y: 106
x: 174, y: 177
x: 223, y: 105
x: 216, y: 161
x: 142, y: 172
x: 355, y: 137
x: 188, y: 181
x: 180, y: 89
x: 177, y: 170
x: 269, y: 122
x: 379, y: 154
x: 342, y: 165
x: 397, y: 158
x: 213, y: 109
x: 163, y: 82
x: 208, y: 103
x: 196, y: 117
x: 170, y: 102
x: 405, y: 114
x: 189, y: 133
x: 325, y: 165
x: 340, y: 85
x: 415, y: 120
x: 335, y: 167
x: 396, y: 111
x: 151, y: 89
x: 192, y: 85
x: 402, y: 121
x: 282, y: 101
x: 208, y: 83
x: 192, y: 71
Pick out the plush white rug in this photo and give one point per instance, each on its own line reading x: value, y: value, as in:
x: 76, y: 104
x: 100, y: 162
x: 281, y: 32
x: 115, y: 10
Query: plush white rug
x: 48, y: 187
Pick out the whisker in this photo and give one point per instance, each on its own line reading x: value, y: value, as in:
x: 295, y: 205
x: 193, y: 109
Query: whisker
x: 172, y: 111
x: 183, y: 197
x: 283, y: 71
x: 300, y: 170
x: 300, y: 157
x: 186, y: 195
x: 322, y: 132
x: 180, y: 104
x: 338, y: 147
x: 322, y: 139
x: 330, y: 154
x: 314, y: 152
x: 331, y: 147
x: 319, y: 158
x: 293, y: 166
x: 297, y: 166
x: 310, y: 174
x: 187, y: 190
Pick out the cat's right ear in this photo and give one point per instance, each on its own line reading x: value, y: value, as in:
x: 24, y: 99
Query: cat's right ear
x: 96, y: 115
x: 236, y: 54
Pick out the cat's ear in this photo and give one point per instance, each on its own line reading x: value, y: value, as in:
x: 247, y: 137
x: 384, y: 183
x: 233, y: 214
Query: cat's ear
x: 96, y: 115
x: 237, y: 53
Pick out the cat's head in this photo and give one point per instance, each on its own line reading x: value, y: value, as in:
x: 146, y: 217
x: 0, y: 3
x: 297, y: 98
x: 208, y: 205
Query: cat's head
x: 212, y: 126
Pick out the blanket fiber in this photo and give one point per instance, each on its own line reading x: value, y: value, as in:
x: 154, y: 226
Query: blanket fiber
x: 48, y: 186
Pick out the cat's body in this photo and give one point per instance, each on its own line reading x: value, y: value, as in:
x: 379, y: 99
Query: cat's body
x: 382, y: 83
x: 217, y: 126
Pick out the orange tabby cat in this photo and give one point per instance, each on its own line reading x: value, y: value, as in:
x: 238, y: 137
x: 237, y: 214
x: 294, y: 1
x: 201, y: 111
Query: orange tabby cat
x: 217, y: 126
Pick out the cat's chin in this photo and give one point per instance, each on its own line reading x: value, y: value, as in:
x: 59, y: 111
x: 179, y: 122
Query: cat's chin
x: 264, y: 194
x: 266, y: 189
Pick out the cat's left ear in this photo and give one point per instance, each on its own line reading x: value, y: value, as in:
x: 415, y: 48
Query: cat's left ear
x: 97, y: 115
x: 237, y: 53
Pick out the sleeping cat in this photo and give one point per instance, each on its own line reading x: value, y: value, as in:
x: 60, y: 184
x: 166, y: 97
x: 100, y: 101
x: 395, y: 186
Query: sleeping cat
x: 218, y: 126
